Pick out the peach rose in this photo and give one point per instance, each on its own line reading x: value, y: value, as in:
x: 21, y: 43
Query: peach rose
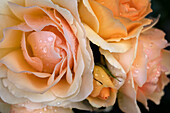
x: 131, y: 9
x: 146, y: 78
x: 104, y: 92
x: 45, y: 57
x: 99, y: 19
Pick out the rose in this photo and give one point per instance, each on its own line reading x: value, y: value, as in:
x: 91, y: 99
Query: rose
x: 146, y: 79
x: 131, y: 9
x: 116, y: 37
x: 45, y: 55
x: 104, y: 92
x: 101, y: 20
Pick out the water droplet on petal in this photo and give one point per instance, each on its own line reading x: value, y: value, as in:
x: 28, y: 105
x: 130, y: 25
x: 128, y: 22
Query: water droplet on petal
x: 50, y: 39
x: 58, y: 103
x: 45, y: 109
x: 96, y: 74
x: 136, y: 71
x: 40, y: 41
x: 45, y: 50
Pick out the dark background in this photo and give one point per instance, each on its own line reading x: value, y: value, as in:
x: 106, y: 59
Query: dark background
x: 161, y: 7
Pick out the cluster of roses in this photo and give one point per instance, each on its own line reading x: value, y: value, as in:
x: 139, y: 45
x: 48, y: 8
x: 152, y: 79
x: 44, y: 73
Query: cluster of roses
x: 46, y: 62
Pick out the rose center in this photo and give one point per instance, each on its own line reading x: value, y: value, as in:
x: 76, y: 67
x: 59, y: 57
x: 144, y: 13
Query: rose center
x: 43, y: 47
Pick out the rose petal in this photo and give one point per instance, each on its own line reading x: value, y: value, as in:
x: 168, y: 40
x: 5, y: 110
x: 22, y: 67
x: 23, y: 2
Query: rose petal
x: 121, y: 47
x: 35, y: 62
x: 69, y: 89
x: 7, y: 97
x: 127, y: 96
x: 108, y: 25
x: 165, y: 60
x: 101, y: 75
x: 87, y: 65
x: 44, y: 49
x: 38, y: 22
x: 5, y: 9
x: 157, y: 95
x: 153, y: 42
x: 66, y: 4
x: 113, y: 5
x: 41, y: 3
x: 28, y: 82
x: 110, y: 58
x: 87, y: 15
x: 16, y: 62
x: 5, y: 51
x: 3, y: 71
x: 8, y: 41
x: 130, y: 55
x: 33, y: 97
x: 142, y: 98
x: 139, y: 68
x: 6, y: 21
x: 96, y: 102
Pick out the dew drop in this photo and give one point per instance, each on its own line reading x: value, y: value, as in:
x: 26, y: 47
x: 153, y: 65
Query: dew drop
x: 45, y: 109
x: 58, y: 103
x: 22, y: 105
x: 45, y: 50
x: 40, y: 41
x: 50, y: 39
x: 96, y: 74
x: 136, y: 71
x: 102, y: 76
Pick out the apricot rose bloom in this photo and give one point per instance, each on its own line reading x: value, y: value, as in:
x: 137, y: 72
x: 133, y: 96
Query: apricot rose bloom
x: 146, y: 78
x: 44, y: 54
